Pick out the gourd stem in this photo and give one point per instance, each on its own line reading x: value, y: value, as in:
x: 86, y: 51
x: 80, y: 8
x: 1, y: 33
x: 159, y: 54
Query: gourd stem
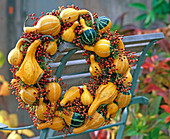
x: 89, y: 48
x: 19, y: 43
x: 75, y: 24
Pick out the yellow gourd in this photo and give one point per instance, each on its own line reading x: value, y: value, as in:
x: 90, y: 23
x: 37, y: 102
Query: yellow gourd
x: 121, y: 46
x: 86, y: 97
x: 94, y: 69
x: 111, y: 109
x: 113, y: 115
x: 41, y: 109
x: 128, y: 77
x: 29, y: 94
x: 52, y: 47
x: 123, y: 99
x: 71, y: 15
x: 105, y: 94
x: 30, y: 70
x: 69, y: 34
x: 54, y: 93
x: 121, y: 64
x: 101, y: 48
x: 57, y: 124
x: 70, y: 95
x: 96, y: 121
x: 48, y: 24
x: 15, y: 56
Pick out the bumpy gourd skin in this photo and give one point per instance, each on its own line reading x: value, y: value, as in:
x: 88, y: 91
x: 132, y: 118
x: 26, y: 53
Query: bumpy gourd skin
x: 15, y: 56
x: 96, y: 121
x: 30, y: 70
x: 105, y: 94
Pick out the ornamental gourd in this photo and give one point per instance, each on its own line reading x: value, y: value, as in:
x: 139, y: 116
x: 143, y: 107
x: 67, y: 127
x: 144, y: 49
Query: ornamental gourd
x: 15, y: 56
x: 54, y: 93
x: 86, y: 97
x: 94, y: 69
x: 128, y: 77
x: 72, y: 119
x: 96, y: 121
x: 48, y: 24
x: 88, y: 35
x: 57, y: 124
x: 70, y: 95
x: 41, y: 109
x: 30, y: 70
x: 71, y: 15
x: 28, y: 95
x: 103, y: 23
x: 121, y: 46
x: 111, y: 109
x: 123, y: 99
x: 105, y: 94
x: 121, y: 64
x: 101, y: 48
x: 69, y: 34
x: 52, y: 47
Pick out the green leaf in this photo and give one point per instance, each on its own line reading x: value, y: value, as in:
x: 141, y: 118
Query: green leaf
x: 155, y: 133
x: 153, y: 16
x: 147, y: 21
x: 157, y: 3
x: 140, y: 17
x: 138, y: 6
x: 154, y: 106
x: 2, y: 58
x: 136, y: 108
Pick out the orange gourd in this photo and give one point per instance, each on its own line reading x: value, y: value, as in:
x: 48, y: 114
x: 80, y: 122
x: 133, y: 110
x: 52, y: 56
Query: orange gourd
x: 86, y: 97
x: 121, y: 46
x: 41, y: 109
x: 101, y: 48
x: 30, y: 70
x: 105, y: 94
x: 48, y: 24
x: 128, y: 77
x: 123, y: 99
x: 94, y: 69
x: 54, y: 93
x: 57, y: 124
x: 111, y: 109
x: 70, y: 95
x: 96, y: 121
x: 28, y: 95
x: 52, y: 47
x: 71, y: 15
x: 15, y: 56
x: 69, y: 34
x: 113, y: 115
x: 121, y: 64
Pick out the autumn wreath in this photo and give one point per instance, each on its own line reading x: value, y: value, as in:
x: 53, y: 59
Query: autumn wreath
x: 39, y: 92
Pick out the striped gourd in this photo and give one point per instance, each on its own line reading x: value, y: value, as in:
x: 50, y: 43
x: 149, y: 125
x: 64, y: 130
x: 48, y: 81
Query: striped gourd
x: 103, y: 23
x: 96, y: 121
x: 71, y: 15
x: 123, y: 99
x: 88, y: 35
x: 54, y: 93
x: 48, y: 24
x: 101, y: 48
x: 121, y: 64
x: 71, y: 118
x: 29, y: 94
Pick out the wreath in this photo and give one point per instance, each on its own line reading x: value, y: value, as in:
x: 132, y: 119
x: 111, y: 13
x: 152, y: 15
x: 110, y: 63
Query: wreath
x: 40, y: 92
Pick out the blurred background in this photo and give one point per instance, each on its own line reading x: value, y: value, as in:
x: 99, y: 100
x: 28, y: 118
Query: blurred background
x: 129, y: 17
